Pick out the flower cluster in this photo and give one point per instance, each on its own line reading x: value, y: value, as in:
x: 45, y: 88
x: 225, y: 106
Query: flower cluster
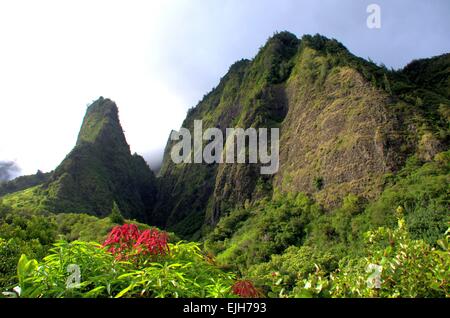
x: 126, y: 241
x: 152, y: 242
x: 245, y: 289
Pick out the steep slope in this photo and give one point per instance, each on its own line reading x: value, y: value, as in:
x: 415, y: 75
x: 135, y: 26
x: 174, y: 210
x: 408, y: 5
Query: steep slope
x: 184, y: 190
x: 426, y: 84
x: 238, y: 101
x: 97, y: 172
x: 344, y: 122
x: 341, y: 135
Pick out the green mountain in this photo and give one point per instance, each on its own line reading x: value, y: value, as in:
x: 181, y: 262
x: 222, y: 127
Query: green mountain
x: 345, y: 124
x: 99, y: 171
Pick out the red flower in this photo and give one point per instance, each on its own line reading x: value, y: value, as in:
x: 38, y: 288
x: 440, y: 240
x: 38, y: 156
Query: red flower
x: 126, y: 240
x: 152, y: 242
x: 245, y: 289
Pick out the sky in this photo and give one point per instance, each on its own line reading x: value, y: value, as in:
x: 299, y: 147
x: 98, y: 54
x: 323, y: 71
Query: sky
x: 158, y: 58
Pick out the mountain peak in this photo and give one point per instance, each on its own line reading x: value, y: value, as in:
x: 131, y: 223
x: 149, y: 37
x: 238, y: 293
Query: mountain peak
x: 101, y: 123
x: 99, y: 171
x: 101, y: 105
x: 285, y: 37
x: 323, y: 44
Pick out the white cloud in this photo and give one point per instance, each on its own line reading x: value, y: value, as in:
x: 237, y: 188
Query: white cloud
x: 57, y: 56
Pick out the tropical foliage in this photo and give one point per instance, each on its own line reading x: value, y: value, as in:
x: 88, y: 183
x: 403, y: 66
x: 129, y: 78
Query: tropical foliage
x: 130, y: 263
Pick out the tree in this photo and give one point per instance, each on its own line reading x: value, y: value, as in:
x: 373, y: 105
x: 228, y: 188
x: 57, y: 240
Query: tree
x: 116, y: 215
x: 387, y: 85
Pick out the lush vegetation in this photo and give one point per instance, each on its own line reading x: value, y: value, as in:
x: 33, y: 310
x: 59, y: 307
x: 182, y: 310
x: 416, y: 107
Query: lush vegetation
x: 33, y: 234
x: 142, y: 263
x: 286, y: 246
x: 392, y: 265
x: 53, y: 256
x: 290, y: 247
x: 22, y: 233
x: 130, y: 263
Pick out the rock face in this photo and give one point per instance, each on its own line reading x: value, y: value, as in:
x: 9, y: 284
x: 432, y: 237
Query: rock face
x: 101, y: 170
x: 344, y: 124
x: 339, y: 137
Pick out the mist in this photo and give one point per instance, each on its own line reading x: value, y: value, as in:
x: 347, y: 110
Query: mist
x: 8, y: 170
x: 154, y: 159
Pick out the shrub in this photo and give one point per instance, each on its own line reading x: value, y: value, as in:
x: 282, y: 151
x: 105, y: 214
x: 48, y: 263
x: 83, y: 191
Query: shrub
x: 22, y: 232
x: 422, y: 190
x: 116, y: 215
x: 318, y: 183
x: 394, y: 266
x: 180, y: 270
x: 278, y: 277
x: 262, y: 229
x: 126, y: 242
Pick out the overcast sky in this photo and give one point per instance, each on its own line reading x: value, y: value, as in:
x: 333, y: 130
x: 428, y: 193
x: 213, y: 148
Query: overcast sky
x: 158, y: 58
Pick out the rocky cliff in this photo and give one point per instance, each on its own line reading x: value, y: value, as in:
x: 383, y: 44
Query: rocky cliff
x: 345, y: 123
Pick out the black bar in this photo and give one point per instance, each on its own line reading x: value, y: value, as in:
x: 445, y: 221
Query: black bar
x: 224, y: 307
